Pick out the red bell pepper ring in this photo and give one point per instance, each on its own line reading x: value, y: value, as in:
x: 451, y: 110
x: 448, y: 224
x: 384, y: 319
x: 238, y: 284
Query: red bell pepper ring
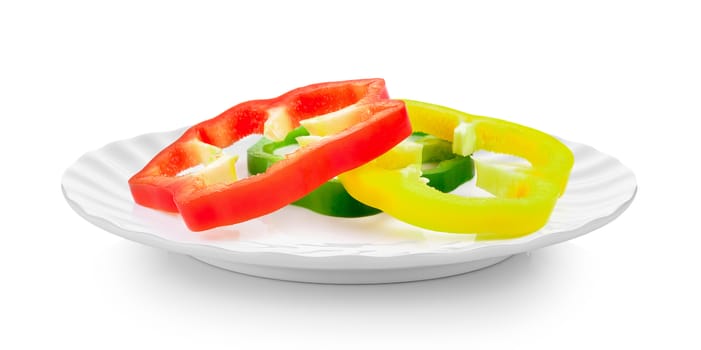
x: 205, y: 201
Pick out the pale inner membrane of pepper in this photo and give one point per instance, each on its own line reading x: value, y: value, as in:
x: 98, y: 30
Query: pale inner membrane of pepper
x: 279, y: 122
x: 215, y: 166
x: 282, y: 151
x: 334, y: 122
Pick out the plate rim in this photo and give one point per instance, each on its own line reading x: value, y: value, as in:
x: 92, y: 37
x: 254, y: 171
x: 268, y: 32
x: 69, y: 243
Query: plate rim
x: 340, y: 261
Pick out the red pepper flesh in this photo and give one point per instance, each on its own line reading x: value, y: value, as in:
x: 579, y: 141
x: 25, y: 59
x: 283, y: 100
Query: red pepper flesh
x: 383, y: 124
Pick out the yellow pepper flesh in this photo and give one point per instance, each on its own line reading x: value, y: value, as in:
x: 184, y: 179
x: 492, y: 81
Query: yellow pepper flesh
x: 525, y: 195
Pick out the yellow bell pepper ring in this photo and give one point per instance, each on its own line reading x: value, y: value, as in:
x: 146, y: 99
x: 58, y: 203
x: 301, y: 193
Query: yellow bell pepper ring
x: 524, y: 195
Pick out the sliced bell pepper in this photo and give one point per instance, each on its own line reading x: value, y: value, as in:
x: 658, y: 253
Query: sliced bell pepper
x: 332, y: 199
x: 213, y: 196
x: 525, y: 195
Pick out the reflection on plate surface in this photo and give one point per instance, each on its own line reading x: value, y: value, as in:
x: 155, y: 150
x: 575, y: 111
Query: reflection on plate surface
x: 296, y: 244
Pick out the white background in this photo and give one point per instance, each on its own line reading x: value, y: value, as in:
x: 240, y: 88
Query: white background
x: 622, y: 76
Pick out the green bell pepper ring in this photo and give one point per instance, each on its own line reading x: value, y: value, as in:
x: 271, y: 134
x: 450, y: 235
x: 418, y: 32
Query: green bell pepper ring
x: 332, y: 199
x: 451, y: 170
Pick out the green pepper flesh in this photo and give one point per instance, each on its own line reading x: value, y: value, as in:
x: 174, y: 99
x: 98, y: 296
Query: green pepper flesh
x: 332, y: 199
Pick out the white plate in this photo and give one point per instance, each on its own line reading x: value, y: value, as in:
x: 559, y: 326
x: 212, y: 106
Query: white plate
x: 296, y: 244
